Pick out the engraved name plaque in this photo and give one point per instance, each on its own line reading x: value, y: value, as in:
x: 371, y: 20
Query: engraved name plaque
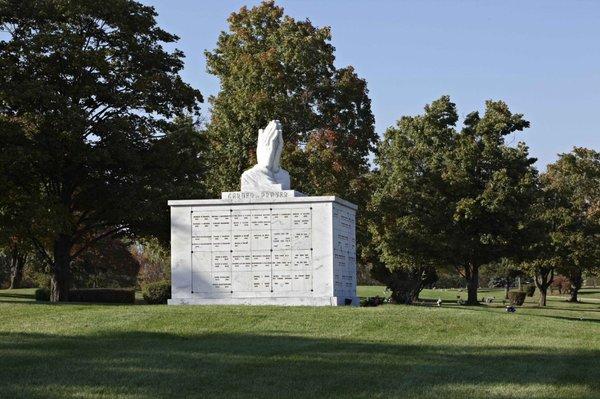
x: 248, y: 250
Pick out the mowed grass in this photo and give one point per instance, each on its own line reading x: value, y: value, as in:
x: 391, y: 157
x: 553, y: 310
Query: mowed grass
x: 586, y: 294
x: 140, y: 351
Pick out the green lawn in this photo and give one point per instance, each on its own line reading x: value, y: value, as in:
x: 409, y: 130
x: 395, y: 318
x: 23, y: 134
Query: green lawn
x: 590, y: 295
x: 140, y: 351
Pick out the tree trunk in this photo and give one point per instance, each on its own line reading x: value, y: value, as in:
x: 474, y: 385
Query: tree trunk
x: 543, y: 296
x: 506, y: 289
x: 543, y: 280
x: 416, y: 294
x: 576, y: 279
x: 472, y: 286
x: 16, y: 268
x: 61, y: 277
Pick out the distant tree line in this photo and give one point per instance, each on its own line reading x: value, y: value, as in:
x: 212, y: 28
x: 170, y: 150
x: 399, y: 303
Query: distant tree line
x: 98, y: 130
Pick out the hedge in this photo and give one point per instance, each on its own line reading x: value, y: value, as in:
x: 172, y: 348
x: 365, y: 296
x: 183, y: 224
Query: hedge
x: 105, y: 295
x: 42, y: 294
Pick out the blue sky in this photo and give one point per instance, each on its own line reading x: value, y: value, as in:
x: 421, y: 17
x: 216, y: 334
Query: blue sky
x: 541, y: 57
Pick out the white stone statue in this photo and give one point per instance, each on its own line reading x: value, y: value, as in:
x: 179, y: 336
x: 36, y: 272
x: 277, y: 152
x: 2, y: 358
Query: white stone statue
x: 267, y: 175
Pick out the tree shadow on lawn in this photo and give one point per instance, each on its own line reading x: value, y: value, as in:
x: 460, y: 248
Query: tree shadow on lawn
x: 8, y: 294
x: 145, y: 364
x: 578, y: 319
x: 589, y: 291
x: 16, y: 301
x: 570, y: 309
x: 544, y: 312
x: 16, y: 297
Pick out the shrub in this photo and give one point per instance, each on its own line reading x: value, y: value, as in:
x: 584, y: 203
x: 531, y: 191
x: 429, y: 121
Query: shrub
x: 42, y: 294
x: 517, y: 298
x: 372, y: 301
x: 405, y: 284
x: 106, y: 295
x: 34, y: 278
x: 157, y: 293
x: 529, y: 289
x: 154, y: 260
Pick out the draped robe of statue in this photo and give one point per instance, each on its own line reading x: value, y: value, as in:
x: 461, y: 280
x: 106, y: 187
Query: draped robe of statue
x: 267, y: 174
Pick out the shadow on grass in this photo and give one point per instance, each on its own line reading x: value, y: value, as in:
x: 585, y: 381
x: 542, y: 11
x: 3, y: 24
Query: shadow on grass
x: 7, y: 297
x: 570, y: 309
x: 589, y: 291
x: 144, y: 364
x: 8, y: 294
x: 577, y: 319
x: 16, y: 301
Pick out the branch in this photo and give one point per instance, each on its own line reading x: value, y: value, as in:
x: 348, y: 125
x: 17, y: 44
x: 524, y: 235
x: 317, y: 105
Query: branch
x: 95, y: 240
x: 42, y: 251
x: 459, y: 271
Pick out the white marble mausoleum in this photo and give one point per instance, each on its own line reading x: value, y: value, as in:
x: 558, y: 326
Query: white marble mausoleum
x: 264, y: 245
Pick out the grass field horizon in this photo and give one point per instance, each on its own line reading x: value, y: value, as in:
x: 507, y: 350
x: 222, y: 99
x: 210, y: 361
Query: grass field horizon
x: 135, y: 351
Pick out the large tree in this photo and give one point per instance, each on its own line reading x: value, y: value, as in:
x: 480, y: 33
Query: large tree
x: 87, y: 95
x: 574, y: 183
x: 273, y: 67
x: 452, y: 197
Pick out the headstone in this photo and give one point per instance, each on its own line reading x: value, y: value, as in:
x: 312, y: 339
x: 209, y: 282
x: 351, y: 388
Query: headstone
x: 266, y: 244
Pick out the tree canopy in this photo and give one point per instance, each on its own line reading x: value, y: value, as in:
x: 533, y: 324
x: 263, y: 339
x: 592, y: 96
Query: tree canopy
x: 573, y: 183
x: 272, y: 66
x: 452, y: 197
x: 87, y: 97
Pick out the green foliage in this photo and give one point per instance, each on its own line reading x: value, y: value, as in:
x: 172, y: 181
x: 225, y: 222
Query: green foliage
x: 157, y: 293
x: 108, y: 263
x: 87, y: 144
x: 449, y: 280
x: 504, y: 269
x: 42, y: 294
x: 154, y: 260
x: 102, y: 295
x: 35, y: 278
x: 517, y: 298
x: 448, y: 197
x: 273, y: 67
x: 372, y: 301
x: 574, y: 184
x: 564, y: 224
x: 405, y: 284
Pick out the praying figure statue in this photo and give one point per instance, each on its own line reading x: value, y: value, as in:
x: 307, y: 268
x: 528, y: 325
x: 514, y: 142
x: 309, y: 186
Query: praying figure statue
x: 267, y: 174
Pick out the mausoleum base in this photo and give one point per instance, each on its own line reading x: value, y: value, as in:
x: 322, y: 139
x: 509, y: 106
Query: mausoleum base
x: 263, y: 248
x: 281, y: 301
